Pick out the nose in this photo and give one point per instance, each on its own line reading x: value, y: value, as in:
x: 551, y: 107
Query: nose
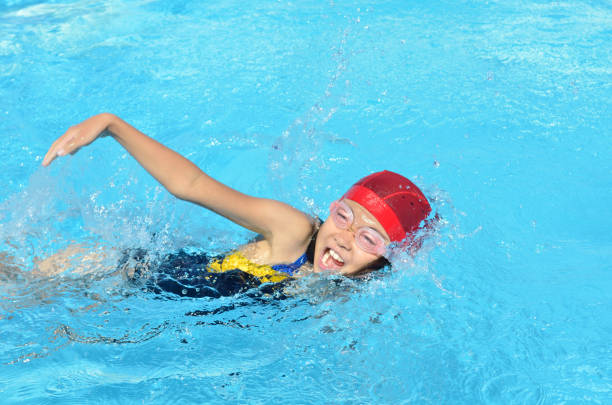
x: 344, y: 238
x: 351, y: 230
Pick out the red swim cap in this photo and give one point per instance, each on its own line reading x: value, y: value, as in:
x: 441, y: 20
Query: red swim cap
x: 394, y: 201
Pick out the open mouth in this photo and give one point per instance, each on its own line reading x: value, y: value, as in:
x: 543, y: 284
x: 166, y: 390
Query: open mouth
x: 331, y: 260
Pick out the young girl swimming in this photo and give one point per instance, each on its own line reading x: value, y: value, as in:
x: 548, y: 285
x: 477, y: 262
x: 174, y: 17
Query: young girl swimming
x: 378, y: 210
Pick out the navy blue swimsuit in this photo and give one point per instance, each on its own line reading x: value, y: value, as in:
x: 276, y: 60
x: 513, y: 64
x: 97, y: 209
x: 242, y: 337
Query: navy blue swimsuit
x: 184, y: 274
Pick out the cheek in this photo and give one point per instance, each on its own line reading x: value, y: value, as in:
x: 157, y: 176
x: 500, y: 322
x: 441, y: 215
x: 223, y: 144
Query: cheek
x: 325, y: 230
x: 319, y: 243
x: 359, y: 261
x: 321, y: 235
x: 325, y: 227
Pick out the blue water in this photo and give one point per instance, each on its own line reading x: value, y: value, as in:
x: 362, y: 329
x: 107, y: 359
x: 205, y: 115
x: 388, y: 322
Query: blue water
x: 500, y: 111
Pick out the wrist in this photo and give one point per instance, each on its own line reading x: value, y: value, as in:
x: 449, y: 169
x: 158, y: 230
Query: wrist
x: 110, y: 123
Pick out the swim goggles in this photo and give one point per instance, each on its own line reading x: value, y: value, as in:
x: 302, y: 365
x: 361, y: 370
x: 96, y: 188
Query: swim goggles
x: 368, y: 239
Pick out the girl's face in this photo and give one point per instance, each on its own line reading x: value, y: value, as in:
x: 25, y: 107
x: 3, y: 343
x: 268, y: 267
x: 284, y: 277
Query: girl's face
x: 337, y: 250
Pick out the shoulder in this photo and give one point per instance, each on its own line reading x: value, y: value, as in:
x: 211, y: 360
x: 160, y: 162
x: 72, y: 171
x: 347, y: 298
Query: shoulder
x: 300, y: 229
x: 286, y: 242
x: 287, y: 223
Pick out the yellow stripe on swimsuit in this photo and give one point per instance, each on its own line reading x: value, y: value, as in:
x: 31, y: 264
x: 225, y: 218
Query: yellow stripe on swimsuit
x: 236, y: 260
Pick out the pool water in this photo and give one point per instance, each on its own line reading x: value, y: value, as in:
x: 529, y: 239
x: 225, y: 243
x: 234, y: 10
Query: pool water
x: 499, y: 111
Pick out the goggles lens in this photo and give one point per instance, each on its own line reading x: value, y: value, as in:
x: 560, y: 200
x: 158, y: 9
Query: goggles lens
x: 368, y: 239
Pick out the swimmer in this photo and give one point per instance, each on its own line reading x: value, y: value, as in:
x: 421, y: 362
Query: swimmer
x: 378, y: 210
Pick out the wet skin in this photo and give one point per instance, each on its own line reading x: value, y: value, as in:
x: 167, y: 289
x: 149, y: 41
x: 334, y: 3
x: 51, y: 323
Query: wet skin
x: 335, y: 243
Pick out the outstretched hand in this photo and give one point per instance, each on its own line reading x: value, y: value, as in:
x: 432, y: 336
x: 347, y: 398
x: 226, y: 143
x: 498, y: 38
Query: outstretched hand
x: 77, y: 136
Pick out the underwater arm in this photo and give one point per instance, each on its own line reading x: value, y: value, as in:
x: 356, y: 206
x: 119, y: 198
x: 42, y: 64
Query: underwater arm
x: 186, y: 181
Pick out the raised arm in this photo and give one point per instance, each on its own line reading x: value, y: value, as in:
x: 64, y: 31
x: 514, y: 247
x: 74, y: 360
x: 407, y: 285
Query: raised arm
x: 282, y: 225
x: 172, y: 170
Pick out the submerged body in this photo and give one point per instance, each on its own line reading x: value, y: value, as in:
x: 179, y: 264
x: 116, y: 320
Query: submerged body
x: 197, y: 274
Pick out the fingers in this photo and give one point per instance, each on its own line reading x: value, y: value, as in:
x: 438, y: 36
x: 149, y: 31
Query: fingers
x: 62, y: 146
x: 77, y: 136
x: 50, y: 155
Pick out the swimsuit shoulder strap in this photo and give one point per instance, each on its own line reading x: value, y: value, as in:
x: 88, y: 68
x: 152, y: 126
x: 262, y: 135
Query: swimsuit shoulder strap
x: 291, y: 268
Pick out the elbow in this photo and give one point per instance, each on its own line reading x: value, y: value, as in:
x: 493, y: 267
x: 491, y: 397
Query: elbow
x: 184, y: 190
x: 179, y: 192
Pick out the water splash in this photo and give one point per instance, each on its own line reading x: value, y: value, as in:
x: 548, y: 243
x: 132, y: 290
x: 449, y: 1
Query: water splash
x: 296, y: 154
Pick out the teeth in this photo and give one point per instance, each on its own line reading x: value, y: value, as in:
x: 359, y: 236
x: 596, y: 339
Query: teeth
x: 336, y: 256
x: 325, y: 257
